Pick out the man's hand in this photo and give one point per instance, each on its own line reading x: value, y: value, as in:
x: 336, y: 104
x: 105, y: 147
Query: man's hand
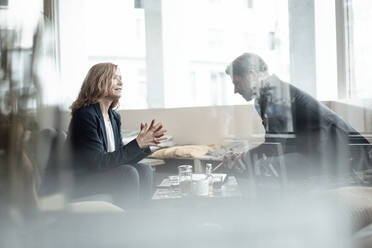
x: 231, y: 160
x: 150, y: 135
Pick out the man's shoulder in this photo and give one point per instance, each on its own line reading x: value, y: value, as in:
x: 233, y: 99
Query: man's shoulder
x: 300, y: 96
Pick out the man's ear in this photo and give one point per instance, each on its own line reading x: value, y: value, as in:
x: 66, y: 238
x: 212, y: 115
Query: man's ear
x: 238, y: 77
x: 251, y: 75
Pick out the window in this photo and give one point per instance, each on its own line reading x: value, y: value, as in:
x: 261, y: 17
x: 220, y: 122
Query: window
x: 206, y: 45
x: 325, y: 43
x: 117, y: 36
x: 184, y: 59
x: 215, y: 39
x: 214, y: 1
x: 3, y: 3
x: 360, y: 22
x: 138, y: 4
x: 250, y: 4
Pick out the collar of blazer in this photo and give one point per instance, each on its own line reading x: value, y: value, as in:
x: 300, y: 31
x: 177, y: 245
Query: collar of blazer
x: 97, y: 108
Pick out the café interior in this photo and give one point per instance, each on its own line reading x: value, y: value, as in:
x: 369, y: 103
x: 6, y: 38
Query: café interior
x: 173, y: 55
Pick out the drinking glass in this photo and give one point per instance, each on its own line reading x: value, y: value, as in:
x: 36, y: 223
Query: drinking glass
x: 185, y: 179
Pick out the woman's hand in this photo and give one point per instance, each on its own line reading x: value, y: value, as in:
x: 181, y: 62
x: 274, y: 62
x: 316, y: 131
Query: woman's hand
x: 150, y: 135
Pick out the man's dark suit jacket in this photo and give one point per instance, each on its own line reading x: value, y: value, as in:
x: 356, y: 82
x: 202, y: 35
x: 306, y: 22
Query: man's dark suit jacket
x: 88, y: 142
x: 317, y: 133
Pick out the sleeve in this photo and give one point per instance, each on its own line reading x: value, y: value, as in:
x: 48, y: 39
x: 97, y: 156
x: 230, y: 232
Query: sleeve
x: 269, y: 149
x: 118, y: 121
x: 145, y: 151
x: 88, y: 143
x: 250, y: 157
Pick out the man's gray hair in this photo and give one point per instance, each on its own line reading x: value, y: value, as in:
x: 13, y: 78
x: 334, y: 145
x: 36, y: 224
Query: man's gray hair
x: 245, y: 63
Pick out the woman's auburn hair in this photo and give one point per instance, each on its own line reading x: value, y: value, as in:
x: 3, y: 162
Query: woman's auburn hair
x: 95, y: 86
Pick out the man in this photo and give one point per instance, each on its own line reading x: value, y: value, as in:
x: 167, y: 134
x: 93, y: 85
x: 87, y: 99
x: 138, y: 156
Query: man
x: 301, y: 133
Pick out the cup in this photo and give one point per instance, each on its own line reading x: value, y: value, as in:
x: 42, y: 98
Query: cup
x: 174, y: 184
x: 200, y: 186
x: 217, y: 183
x: 185, y: 179
x: 173, y: 181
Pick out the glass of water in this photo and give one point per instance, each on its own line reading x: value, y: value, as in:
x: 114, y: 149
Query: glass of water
x: 185, y: 179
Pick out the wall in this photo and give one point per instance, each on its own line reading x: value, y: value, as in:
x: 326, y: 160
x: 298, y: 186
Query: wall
x: 202, y: 125
x: 215, y: 124
x: 205, y: 125
x: 357, y: 112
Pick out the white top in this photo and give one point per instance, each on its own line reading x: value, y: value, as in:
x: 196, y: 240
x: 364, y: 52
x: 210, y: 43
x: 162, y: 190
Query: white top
x: 110, y: 137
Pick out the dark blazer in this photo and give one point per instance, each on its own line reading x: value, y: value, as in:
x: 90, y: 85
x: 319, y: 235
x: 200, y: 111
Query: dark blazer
x: 301, y: 124
x: 88, y: 142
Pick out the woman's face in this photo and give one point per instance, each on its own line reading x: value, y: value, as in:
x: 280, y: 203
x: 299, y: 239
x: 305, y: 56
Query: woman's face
x: 116, y: 85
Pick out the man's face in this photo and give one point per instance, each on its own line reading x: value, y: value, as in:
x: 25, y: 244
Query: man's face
x: 242, y: 85
x: 116, y: 85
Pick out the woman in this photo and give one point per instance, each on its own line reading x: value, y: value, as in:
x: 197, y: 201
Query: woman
x: 101, y: 163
